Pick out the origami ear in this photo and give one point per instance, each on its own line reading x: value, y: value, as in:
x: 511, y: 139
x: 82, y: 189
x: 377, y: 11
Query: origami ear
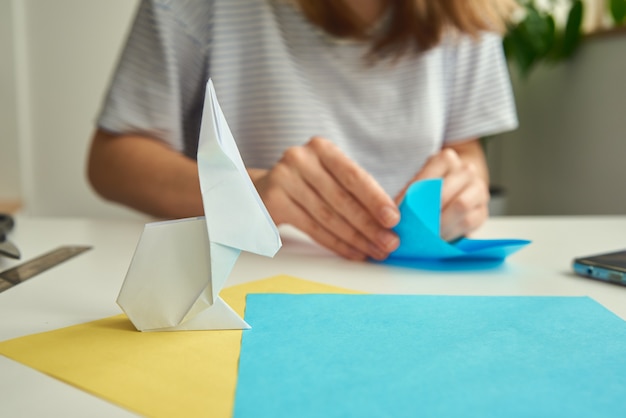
x: 235, y: 214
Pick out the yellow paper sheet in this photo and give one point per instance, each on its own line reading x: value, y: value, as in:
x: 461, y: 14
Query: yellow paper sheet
x: 156, y: 374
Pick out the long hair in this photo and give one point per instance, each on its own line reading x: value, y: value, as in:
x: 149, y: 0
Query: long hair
x: 411, y: 25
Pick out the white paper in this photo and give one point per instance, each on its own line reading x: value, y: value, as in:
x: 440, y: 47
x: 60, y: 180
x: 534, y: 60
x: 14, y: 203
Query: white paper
x: 180, y: 266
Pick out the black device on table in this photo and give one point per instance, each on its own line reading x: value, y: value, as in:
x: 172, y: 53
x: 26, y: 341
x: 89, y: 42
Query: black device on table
x: 7, y: 248
x: 609, y: 267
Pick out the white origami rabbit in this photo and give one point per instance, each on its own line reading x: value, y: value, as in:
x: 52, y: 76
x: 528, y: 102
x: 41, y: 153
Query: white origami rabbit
x: 180, y: 266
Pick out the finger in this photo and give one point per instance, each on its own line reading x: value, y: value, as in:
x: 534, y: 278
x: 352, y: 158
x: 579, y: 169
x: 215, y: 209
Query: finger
x: 400, y: 196
x: 360, y: 186
x: 464, y: 226
x: 300, y: 218
x: 454, y: 183
x: 440, y: 165
x: 284, y: 187
x: 466, y: 212
x: 344, y: 215
x: 324, y: 216
x: 274, y: 188
x: 347, y: 207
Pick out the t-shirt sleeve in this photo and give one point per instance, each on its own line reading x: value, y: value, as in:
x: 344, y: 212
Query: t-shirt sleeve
x: 480, y: 100
x: 157, y: 88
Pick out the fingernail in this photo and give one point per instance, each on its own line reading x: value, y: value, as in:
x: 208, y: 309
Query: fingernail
x: 390, y: 216
x: 388, y: 241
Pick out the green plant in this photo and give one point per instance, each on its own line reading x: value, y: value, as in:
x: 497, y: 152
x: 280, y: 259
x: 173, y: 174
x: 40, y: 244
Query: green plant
x: 618, y: 11
x: 538, y: 38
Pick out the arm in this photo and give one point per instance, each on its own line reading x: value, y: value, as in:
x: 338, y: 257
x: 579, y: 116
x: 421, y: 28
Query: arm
x: 465, y: 193
x: 145, y: 174
x: 156, y: 91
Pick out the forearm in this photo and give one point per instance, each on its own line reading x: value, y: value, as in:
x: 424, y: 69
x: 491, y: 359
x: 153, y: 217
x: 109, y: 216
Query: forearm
x: 144, y: 174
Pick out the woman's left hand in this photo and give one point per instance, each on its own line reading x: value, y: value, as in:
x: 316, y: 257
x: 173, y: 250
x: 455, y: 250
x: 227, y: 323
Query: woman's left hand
x: 465, y: 193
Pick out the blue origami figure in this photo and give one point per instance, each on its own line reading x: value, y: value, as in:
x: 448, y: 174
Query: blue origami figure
x: 421, y: 242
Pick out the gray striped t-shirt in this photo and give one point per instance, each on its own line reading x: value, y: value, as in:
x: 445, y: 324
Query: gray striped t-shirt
x: 280, y: 80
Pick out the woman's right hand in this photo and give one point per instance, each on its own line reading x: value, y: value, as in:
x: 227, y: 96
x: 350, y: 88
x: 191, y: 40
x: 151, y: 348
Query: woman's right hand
x: 319, y: 190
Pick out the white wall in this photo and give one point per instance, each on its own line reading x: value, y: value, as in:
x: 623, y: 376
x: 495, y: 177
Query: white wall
x: 569, y: 154
x: 9, y: 152
x: 64, y: 53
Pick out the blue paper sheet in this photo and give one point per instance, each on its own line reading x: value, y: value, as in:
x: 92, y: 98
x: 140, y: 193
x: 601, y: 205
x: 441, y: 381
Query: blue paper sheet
x: 420, y: 240
x: 431, y: 356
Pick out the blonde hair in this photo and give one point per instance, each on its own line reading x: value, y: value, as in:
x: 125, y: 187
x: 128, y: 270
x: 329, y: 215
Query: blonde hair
x: 412, y: 25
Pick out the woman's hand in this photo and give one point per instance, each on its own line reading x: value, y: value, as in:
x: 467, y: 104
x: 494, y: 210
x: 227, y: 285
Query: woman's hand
x: 465, y: 192
x: 319, y: 190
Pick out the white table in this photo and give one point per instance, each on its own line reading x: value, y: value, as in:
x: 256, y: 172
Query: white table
x: 84, y: 288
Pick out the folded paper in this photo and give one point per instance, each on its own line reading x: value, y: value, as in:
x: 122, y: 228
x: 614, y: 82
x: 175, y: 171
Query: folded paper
x: 420, y: 239
x: 180, y: 266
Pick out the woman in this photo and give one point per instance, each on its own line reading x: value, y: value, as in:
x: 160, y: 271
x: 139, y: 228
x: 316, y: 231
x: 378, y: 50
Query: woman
x: 336, y: 106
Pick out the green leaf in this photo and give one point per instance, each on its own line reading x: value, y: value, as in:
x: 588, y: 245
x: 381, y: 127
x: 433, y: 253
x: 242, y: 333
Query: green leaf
x: 572, y: 34
x: 538, y: 30
x: 531, y: 40
x: 519, y: 53
x: 618, y: 11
